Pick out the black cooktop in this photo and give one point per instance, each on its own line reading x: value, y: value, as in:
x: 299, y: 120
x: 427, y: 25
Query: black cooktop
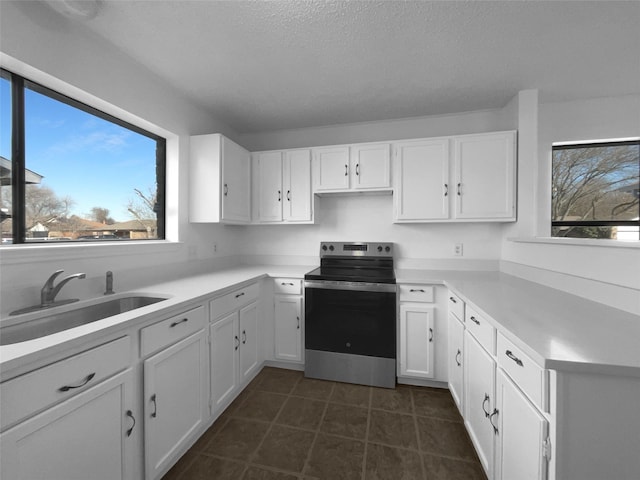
x: 349, y: 269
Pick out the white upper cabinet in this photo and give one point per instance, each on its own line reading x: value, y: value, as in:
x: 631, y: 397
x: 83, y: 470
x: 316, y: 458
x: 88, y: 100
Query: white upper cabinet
x: 422, y: 180
x: 485, y: 176
x: 282, y: 186
x: 364, y: 166
x: 331, y: 168
x: 219, y: 180
x: 462, y: 178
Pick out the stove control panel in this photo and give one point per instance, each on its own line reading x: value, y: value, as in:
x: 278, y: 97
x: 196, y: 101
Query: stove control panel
x: 356, y: 249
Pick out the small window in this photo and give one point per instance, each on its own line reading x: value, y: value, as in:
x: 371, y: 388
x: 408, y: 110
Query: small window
x: 595, y: 190
x: 71, y: 173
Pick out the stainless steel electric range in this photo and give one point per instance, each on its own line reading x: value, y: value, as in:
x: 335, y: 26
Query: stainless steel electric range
x: 350, y: 314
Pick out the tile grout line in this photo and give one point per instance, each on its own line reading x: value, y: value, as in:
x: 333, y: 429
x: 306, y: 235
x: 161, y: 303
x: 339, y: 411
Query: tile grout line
x: 366, y: 436
x: 417, y: 430
x: 317, y: 431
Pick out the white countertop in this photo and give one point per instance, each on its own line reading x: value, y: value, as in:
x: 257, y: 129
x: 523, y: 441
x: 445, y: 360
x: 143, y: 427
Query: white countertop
x: 179, y: 292
x: 558, y: 330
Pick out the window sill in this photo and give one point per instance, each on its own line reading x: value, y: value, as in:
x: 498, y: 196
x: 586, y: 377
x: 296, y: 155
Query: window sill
x: 30, y: 253
x: 583, y: 242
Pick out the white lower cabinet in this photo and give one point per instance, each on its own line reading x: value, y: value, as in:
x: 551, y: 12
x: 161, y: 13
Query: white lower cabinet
x: 91, y: 435
x: 176, y: 400
x: 456, y: 360
x: 288, y: 328
x: 234, y: 354
x: 417, y: 335
x: 288, y: 319
x: 479, y: 389
x: 522, y: 434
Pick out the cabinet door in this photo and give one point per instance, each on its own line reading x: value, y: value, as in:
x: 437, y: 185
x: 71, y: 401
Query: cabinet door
x: 176, y: 393
x: 416, y: 341
x: 236, y: 182
x: 288, y: 326
x: 87, y: 435
x: 421, y: 179
x: 371, y: 166
x: 485, y: 168
x: 456, y: 358
x: 522, y: 433
x: 297, y: 195
x: 249, y: 357
x: 270, y: 192
x: 225, y: 343
x: 331, y: 168
x: 479, y: 387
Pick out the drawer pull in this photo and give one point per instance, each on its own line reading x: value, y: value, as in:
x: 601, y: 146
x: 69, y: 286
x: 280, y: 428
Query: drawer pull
x: 237, y: 342
x: 486, y: 400
x: 298, y: 319
x: 154, y: 414
x: 416, y: 290
x: 130, y: 415
x: 226, y: 189
x: 458, y: 355
x: 244, y: 337
x: 446, y: 189
x: 453, y: 299
x: 514, y: 358
x: 475, y: 320
x: 178, y: 322
x: 287, y: 283
x: 279, y: 195
x: 66, y: 388
x: 239, y: 295
x: 430, y: 334
x: 288, y: 195
x: 494, y: 413
x: 346, y: 170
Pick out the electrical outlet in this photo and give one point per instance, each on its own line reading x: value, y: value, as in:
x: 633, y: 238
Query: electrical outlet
x: 457, y: 249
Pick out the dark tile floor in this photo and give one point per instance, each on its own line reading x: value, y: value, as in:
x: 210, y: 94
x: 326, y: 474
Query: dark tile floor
x: 284, y: 427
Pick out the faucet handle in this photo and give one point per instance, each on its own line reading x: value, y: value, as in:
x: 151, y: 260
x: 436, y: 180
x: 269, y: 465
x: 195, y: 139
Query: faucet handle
x: 52, y: 278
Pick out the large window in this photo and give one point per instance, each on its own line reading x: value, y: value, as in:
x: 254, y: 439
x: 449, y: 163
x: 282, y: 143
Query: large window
x: 595, y: 190
x: 71, y: 173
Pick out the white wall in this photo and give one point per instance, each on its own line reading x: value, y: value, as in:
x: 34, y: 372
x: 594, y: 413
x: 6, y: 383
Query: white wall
x: 369, y: 217
x: 593, y: 269
x: 46, y: 47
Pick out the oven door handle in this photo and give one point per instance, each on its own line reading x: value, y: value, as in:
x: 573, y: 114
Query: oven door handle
x: 351, y: 286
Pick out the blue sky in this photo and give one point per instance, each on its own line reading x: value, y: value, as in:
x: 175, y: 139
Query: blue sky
x: 96, y: 163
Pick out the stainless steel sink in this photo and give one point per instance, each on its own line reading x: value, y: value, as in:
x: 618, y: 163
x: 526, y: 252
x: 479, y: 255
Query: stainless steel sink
x: 53, y: 322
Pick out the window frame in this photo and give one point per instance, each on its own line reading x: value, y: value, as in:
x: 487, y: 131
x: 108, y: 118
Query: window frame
x: 18, y: 84
x: 593, y: 223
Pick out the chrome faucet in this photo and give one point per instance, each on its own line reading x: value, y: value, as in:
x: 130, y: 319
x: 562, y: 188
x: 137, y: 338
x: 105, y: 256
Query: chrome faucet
x: 49, y: 292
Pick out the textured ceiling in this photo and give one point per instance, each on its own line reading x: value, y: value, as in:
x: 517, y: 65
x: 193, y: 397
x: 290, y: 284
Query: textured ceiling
x: 268, y: 65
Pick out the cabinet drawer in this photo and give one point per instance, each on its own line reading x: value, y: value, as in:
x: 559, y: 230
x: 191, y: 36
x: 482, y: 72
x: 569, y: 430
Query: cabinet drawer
x: 456, y: 306
x: 416, y: 293
x: 234, y: 300
x: 166, y: 332
x: 481, y: 329
x: 287, y: 286
x: 527, y: 375
x: 35, y: 391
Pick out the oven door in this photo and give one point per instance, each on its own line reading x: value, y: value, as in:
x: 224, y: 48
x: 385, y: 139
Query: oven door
x: 351, y: 318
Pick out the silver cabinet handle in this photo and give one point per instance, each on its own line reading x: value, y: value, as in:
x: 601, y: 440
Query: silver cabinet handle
x: 486, y: 400
x: 226, y: 189
x: 178, y: 322
x: 474, y: 320
x: 430, y: 334
x: 416, y: 290
x: 446, y: 189
x: 244, y: 337
x: 279, y: 195
x: 494, y: 413
x: 346, y: 170
x: 357, y: 169
x: 239, y: 295
x: 458, y: 355
x: 130, y: 415
x: 298, y: 319
x: 459, y: 189
x: 509, y: 354
x: 453, y: 299
x: 88, y: 378
x: 237, y: 341
x: 288, y: 195
x: 287, y: 283
x: 154, y: 414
